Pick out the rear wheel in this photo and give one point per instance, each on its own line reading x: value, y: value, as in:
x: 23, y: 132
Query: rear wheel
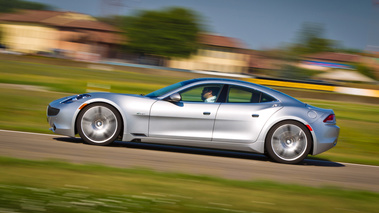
x: 99, y: 124
x: 288, y: 142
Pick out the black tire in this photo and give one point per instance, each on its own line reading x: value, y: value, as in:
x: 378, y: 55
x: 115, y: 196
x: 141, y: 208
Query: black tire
x: 99, y: 124
x: 288, y: 142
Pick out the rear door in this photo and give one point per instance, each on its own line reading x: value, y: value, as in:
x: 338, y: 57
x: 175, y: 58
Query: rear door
x: 244, y: 114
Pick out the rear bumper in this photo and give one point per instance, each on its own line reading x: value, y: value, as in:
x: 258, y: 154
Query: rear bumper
x: 326, y: 136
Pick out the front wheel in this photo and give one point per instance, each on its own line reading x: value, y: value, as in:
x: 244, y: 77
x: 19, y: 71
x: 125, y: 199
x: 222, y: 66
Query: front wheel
x: 288, y: 142
x: 99, y: 124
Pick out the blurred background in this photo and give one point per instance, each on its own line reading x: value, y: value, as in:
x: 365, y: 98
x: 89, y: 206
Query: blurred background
x: 334, y: 41
x: 325, y: 53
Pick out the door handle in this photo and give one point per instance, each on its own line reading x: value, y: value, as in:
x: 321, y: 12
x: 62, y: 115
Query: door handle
x: 255, y: 115
x: 206, y: 113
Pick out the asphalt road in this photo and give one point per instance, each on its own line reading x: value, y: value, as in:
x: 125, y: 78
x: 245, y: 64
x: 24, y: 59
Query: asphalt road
x: 232, y: 165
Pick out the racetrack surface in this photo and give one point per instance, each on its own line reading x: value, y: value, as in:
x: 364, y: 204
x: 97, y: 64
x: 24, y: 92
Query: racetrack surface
x: 225, y: 164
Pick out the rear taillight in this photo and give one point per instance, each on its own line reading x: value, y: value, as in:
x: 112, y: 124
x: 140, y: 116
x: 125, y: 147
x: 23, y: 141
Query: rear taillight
x: 330, y: 119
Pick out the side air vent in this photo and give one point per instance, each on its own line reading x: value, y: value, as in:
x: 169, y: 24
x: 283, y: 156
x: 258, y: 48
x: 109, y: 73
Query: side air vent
x: 51, y: 111
x: 138, y: 135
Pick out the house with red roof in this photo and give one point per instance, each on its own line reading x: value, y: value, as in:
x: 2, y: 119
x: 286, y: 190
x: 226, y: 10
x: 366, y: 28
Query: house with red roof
x: 216, y: 53
x: 77, y: 35
x: 80, y: 36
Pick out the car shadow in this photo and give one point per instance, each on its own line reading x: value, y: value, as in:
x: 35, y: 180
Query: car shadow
x: 204, y: 151
x: 70, y: 140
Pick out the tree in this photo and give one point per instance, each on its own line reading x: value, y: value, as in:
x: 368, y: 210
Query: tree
x: 121, y: 22
x: 311, y: 40
x: 7, y: 6
x: 171, y: 32
x: 365, y: 70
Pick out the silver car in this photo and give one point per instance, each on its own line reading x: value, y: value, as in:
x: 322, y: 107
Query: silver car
x: 206, y: 112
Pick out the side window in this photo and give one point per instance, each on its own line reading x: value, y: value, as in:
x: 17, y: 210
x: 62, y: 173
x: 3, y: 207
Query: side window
x: 246, y: 95
x: 203, y: 93
x: 239, y: 95
x: 266, y: 98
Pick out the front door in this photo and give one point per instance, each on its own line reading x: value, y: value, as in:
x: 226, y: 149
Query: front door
x: 192, y: 118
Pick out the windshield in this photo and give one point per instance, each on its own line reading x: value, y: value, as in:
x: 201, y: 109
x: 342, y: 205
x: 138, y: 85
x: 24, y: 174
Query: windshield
x: 168, y: 89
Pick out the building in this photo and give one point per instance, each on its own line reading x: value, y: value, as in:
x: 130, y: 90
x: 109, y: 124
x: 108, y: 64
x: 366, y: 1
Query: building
x: 73, y: 34
x: 80, y: 36
x: 216, y: 53
x: 330, y: 60
x: 339, y: 66
x: 262, y: 63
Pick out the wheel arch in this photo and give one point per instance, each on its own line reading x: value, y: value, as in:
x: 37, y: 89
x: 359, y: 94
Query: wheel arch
x: 113, y: 105
x: 302, y: 122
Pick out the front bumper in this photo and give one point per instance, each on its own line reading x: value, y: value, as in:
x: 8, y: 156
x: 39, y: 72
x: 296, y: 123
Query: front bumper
x: 61, y: 117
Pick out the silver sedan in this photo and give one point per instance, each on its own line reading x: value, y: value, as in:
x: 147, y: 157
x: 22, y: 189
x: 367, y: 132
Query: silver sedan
x: 207, y: 112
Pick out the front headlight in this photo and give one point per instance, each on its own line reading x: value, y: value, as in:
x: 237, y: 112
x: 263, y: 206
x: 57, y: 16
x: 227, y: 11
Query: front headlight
x: 75, y: 98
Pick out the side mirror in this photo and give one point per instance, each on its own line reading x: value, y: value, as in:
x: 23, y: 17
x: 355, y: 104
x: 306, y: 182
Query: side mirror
x: 176, y: 97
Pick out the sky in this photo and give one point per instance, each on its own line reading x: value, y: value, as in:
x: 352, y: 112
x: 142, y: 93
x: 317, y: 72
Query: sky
x: 260, y: 24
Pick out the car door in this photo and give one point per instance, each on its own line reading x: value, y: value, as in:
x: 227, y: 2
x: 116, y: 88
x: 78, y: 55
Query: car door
x: 243, y: 115
x: 191, y: 118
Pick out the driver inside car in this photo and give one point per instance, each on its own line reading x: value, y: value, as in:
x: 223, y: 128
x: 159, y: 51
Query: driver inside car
x: 209, y: 94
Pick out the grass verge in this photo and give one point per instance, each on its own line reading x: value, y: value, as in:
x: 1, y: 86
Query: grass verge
x: 51, y: 186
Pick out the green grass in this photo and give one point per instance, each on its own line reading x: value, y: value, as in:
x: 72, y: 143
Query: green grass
x: 24, y: 110
x: 75, y: 80
x: 51, y: 186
